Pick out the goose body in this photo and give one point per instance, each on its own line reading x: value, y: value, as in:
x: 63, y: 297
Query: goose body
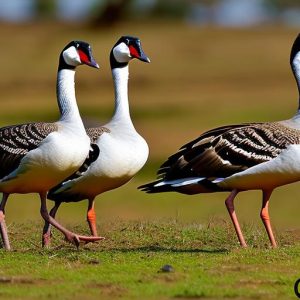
x: 36, y: 156
x: 237, y: 158
x: 52, y: 160
x: 245, y: 157
x: 122, y: 155
x: 122, y: 151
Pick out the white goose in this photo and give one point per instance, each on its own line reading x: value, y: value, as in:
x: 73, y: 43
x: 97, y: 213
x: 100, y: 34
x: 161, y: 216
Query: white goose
x: 36, y: 156
x: 237, y: 158
x: 123, y: 152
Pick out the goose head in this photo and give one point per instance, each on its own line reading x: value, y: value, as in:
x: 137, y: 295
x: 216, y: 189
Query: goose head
x: 77, y: 53
x: 126, y: 49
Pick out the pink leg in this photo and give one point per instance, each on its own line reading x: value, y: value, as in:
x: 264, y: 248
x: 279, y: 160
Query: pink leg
x: 264, y: 214
x: 46, y: 239
x: 3, y: 229
x: 230, y: 207
x: 70, y: 236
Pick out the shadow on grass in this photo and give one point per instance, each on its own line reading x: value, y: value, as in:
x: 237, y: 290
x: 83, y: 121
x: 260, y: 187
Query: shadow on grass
x: 152, y: 248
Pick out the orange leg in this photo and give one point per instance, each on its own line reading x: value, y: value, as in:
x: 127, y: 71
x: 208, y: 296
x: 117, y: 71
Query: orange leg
x: 264, y: 214
x: 70, y: 236
x: 91, y: 217
x: 230, y: 207
x: 3, y: 229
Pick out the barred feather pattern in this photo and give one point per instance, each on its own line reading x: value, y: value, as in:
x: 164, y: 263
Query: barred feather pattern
x: 95, y: 132
x: 17, y: 140
x: 224, y: 151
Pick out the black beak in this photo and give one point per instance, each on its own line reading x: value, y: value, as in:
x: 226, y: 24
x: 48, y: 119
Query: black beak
x: 143, y: 57
x: 93, y: 63
x: 136, y: 51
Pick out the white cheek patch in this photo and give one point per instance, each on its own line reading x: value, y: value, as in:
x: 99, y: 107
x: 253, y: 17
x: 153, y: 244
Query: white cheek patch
x: 121, y: 53
x: 71, y: 57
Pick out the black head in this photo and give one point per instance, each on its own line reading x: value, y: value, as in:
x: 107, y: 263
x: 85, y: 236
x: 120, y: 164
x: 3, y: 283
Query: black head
x: 77, y: 53
x: 127, y: 48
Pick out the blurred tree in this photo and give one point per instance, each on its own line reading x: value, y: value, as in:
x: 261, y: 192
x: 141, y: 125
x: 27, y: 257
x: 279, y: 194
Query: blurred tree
x: 289, y: 3
x: 45, y: 9
x: 281, y: 4
x: 111, y: 13
x: 171, y: 8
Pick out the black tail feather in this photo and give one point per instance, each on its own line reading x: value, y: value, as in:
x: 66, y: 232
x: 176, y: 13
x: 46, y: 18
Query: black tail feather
x: 151, y: 187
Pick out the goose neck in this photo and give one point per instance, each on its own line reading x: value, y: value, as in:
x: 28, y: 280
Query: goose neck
x: 66, y: 96
x: 120, y: 79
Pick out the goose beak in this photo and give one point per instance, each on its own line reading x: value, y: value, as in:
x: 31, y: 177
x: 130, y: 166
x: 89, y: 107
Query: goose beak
x: 141, y: 55
x: 136, y: 51
x: 144, y: 57
x: 93, y: 63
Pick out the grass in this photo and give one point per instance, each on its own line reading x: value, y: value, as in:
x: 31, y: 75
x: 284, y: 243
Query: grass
x: 199, y: 78
x: 206, y: 260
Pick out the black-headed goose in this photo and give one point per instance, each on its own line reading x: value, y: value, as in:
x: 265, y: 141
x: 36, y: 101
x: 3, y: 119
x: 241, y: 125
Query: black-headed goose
x: 123, y: 152
x: 237, y: 158
x: 37, y: 156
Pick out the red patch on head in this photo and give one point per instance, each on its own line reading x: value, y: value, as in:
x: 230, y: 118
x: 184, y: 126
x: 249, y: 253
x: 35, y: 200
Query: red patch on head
x: 83, y: 57
x: 133, y: 52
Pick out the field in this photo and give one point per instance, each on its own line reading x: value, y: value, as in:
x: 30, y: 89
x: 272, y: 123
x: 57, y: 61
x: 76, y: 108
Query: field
x: 198, y: 78
x: 205, y: 261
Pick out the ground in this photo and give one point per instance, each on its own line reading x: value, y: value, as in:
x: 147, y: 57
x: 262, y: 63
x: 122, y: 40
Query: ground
x: 206, y: 263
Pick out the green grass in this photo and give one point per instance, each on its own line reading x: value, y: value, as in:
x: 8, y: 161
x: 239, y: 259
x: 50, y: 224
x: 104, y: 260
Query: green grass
x: 206, y: 259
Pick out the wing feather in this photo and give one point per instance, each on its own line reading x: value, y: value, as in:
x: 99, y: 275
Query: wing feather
x: 95, y: 132
x: 17, y: 140
x: 227, y: 150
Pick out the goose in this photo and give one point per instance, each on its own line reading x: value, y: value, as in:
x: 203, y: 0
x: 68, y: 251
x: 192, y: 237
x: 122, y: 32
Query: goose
x: 36, y: 156
x: 121, y: 152
x: 235, y: 158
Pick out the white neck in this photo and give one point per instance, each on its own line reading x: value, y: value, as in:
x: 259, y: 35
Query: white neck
x: 121, y: 113
x: 65, y: 90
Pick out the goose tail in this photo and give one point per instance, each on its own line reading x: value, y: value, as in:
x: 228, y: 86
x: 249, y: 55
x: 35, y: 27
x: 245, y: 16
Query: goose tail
x: 191, y: 185
x: 155, y: 187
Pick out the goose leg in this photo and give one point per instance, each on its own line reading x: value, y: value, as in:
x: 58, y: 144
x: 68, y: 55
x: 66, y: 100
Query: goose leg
x: 46, y: 239
x: 3, y: 229
x: 230, y: 207
x: 70, y: 236
x: 264, y: 214
x: 91, y: 217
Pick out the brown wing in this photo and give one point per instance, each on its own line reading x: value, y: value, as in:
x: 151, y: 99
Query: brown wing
x: 17, y: 140
x: 224, y: 151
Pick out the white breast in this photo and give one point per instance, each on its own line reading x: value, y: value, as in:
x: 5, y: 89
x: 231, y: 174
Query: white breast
x: 121, y: 155
x: 283, y: 169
